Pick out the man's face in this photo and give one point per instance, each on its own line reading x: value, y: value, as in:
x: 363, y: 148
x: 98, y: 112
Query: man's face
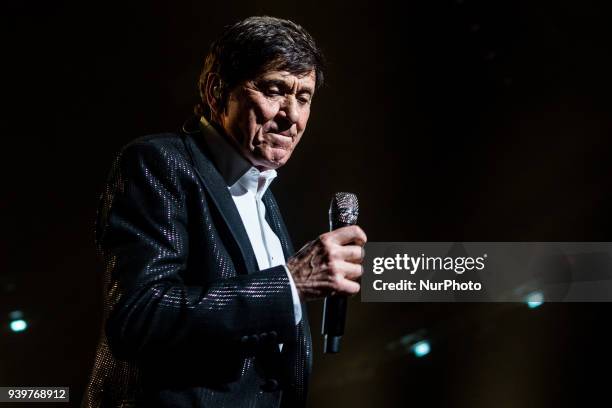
x: 267, y: 116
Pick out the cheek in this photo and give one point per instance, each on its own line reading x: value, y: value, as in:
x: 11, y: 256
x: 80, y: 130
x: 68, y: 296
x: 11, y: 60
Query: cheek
x: 301, y: 127
x: 303, y: 120
x: 254, y: 115
x: 264, y: 110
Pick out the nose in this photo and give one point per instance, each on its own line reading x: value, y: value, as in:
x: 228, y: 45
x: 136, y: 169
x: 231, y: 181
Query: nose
x: 289, y: 109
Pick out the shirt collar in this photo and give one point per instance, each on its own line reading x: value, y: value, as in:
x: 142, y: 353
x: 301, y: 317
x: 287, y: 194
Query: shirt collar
x: 235, y: 169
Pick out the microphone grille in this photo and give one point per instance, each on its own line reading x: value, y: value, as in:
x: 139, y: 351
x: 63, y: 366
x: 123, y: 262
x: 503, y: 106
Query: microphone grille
x: 344, y: 208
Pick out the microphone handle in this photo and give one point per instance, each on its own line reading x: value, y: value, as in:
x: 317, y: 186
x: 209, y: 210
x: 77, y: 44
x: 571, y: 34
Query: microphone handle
x: 334, y: 318
x: 334, y: 314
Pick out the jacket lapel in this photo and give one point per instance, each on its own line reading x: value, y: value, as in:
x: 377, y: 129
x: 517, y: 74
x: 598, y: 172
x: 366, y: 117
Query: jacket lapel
x: 222, y: 199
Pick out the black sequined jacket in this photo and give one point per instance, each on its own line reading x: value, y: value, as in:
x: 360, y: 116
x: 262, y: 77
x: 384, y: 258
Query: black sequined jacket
x: 189, y: 320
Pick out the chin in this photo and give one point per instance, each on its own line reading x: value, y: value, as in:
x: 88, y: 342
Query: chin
x: 272, y: 164
x: 271, y: 160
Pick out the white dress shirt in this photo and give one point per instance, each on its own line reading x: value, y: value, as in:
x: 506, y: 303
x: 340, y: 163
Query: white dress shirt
x: 247, y: 186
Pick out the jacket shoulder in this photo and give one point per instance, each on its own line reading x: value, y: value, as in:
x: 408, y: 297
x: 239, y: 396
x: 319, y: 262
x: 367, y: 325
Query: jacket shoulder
x: 162, y: 150
x: 170, y: 142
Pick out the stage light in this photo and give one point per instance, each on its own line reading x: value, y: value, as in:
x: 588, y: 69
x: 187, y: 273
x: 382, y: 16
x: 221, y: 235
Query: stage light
x: 17, y: 324
x: 421, y: 348
x: 534, y: 299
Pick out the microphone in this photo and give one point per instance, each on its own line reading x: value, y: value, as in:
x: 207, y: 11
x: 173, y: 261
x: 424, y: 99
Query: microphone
x: 343, y: 211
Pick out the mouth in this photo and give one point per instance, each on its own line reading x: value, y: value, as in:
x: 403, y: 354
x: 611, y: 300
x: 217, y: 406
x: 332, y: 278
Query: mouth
x: 286, y: 133
x: 282, y: 140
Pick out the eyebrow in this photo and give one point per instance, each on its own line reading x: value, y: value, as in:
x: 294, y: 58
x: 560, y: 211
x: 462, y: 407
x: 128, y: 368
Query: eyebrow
x: 283, y: 85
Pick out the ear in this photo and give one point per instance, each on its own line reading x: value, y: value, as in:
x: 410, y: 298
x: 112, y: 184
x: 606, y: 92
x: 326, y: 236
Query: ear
x: 213, y: 93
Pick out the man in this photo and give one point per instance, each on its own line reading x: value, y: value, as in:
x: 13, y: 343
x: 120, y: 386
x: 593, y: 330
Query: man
x: 205, y: 296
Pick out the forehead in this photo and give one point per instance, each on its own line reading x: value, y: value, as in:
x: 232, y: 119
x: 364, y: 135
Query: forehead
x: 304, y: 80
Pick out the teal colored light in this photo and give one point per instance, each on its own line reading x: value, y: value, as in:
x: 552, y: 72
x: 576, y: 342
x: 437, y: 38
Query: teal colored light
x: 18, y: 325
x: 534, y: 299
x: 421, y: 348
x: 16, y: 315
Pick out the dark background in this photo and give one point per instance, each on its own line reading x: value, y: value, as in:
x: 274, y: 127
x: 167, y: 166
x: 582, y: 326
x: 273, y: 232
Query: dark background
x: 451, y: 120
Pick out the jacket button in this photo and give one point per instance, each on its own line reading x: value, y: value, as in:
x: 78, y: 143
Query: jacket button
x: 263, y: 337
x: 251, y: 341
x: 270, y: 385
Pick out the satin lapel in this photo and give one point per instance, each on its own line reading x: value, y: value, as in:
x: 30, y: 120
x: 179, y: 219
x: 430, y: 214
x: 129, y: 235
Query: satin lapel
x: 217, y: 189
x: 275, y: 220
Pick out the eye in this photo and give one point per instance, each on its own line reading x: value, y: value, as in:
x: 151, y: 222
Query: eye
x: 272, y: 92
x: 304, y: 99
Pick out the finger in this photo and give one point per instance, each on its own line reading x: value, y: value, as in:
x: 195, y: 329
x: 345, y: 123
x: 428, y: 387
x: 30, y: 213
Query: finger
x: 347, y: 287
x: 350, y: 253
x: 351, y: 271
x: 350, y: 234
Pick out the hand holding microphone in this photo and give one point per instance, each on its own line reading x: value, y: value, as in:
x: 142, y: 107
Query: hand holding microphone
x: 330, y: 266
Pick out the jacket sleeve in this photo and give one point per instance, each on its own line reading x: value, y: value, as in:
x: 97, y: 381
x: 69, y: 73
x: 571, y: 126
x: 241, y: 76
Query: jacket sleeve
x: 142, y: 232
